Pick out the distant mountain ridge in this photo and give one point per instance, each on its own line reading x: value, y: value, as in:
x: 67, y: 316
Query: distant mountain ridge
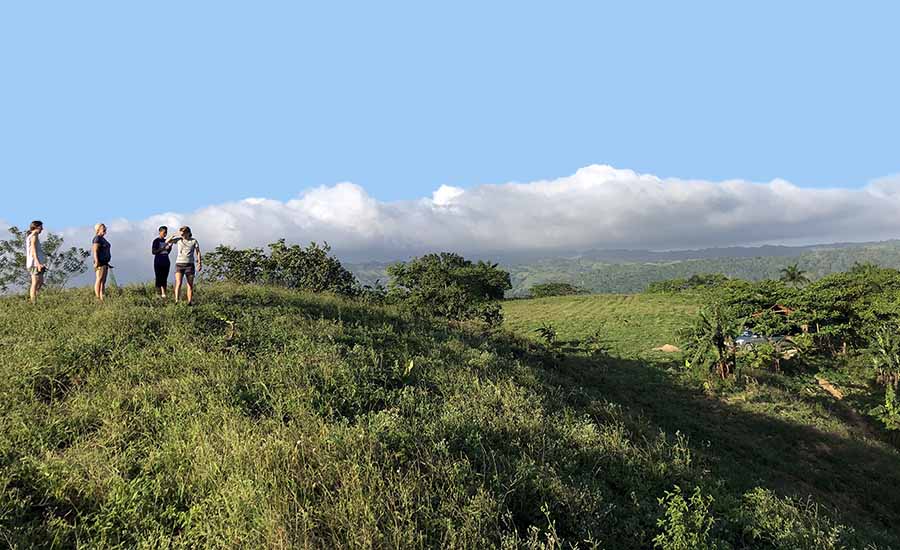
x: 631, y: 271
x: 626, y: 255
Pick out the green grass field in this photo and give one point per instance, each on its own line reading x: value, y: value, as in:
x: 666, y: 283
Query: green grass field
x: 632, y: 325
x: 263, y: 418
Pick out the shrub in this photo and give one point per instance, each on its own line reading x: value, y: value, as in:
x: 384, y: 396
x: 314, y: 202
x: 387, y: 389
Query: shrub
x: 788, y: 523
x: 449, y: 286
x: 762, y: 356
x: 885, y: 350
x: 596, y: 344
x: 62, y: 263
x: 889, y: 412
x: 375, y: 293
x: 547, y: 333
x: 545, y: 290
x: 291, y: 266
x: 310, y: 268
x: 234, y: 265
x: 686, y: 523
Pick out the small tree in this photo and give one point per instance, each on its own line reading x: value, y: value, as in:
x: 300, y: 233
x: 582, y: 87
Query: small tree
x: 885, y: 351
x: 548, y: 334
x: 62, y: 263
x: 447, y: 285
x: 710, y: 340
x: 794, y: 276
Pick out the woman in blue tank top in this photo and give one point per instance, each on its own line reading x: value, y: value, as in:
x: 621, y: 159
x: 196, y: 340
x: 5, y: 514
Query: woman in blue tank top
x: 100, y: 250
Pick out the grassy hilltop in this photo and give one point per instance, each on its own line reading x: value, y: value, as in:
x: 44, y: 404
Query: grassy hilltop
x: 275, y: 419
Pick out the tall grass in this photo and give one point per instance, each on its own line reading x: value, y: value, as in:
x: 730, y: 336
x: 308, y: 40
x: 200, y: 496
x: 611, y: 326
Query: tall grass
x: 262, y: 418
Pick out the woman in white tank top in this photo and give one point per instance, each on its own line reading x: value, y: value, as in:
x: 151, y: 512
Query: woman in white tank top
x: 35, y: 259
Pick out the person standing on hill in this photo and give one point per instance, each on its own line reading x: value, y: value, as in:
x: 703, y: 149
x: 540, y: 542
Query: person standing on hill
x: 161, y: 263
x: 187, y: 263
x: 35, y: 259
x: 101, y: 253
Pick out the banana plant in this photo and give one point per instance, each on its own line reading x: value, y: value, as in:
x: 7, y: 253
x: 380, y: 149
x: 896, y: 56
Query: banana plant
x: 710, y: 340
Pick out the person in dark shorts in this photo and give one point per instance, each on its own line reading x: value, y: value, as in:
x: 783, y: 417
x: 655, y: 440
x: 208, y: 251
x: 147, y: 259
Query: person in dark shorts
x: 161, y: 263
x: 101, y: 253
x: 187, y: 263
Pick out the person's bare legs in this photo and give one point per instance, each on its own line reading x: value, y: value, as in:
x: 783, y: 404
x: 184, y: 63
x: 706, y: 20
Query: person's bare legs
x: 100, y: 284
x: 103, y: 283
x: 190, y: 289
x: 37, y: 281
x: 178, y: 277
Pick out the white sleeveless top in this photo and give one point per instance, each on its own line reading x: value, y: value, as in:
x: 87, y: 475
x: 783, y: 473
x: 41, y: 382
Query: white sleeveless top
x: 186, y: 249
x: 29, y: 260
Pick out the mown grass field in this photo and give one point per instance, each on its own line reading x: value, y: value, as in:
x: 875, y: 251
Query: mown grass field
x: 264, y: 418
x: 631, y: 324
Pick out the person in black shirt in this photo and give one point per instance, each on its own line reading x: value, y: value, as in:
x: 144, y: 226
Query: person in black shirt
x: 161, y: 263
x: 100, y: 250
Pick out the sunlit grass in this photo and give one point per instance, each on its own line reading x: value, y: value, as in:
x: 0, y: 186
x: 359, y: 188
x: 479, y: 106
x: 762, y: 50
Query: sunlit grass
x: 267, y: 418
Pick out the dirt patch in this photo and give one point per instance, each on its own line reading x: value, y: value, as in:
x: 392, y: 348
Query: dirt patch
x: 830, y: 388
x: 668, y: 348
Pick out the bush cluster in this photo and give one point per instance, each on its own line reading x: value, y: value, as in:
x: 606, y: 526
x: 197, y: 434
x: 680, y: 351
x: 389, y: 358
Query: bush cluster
x: 545, y: 290
x: 449, y: 286
x: 311, y: 268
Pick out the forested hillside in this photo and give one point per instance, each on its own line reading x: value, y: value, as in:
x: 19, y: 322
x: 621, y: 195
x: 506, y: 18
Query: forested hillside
x: 619, y: 272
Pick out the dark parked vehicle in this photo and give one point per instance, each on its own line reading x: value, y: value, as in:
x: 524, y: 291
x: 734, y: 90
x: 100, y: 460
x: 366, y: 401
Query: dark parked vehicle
x: 749, y: 339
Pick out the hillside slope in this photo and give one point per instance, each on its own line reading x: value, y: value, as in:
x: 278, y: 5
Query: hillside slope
x: 265, y: 418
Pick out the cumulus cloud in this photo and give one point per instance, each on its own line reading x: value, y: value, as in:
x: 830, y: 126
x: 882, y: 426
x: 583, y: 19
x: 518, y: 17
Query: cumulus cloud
x: 597, y: 207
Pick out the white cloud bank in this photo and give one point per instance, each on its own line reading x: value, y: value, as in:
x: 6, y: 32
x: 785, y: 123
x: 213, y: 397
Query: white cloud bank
x: 597, y: 207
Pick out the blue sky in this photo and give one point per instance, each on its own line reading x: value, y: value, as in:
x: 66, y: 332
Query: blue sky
x: 115, y: 109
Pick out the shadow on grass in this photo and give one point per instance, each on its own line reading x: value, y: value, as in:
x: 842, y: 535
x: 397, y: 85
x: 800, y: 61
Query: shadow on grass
x: 746, y: 449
